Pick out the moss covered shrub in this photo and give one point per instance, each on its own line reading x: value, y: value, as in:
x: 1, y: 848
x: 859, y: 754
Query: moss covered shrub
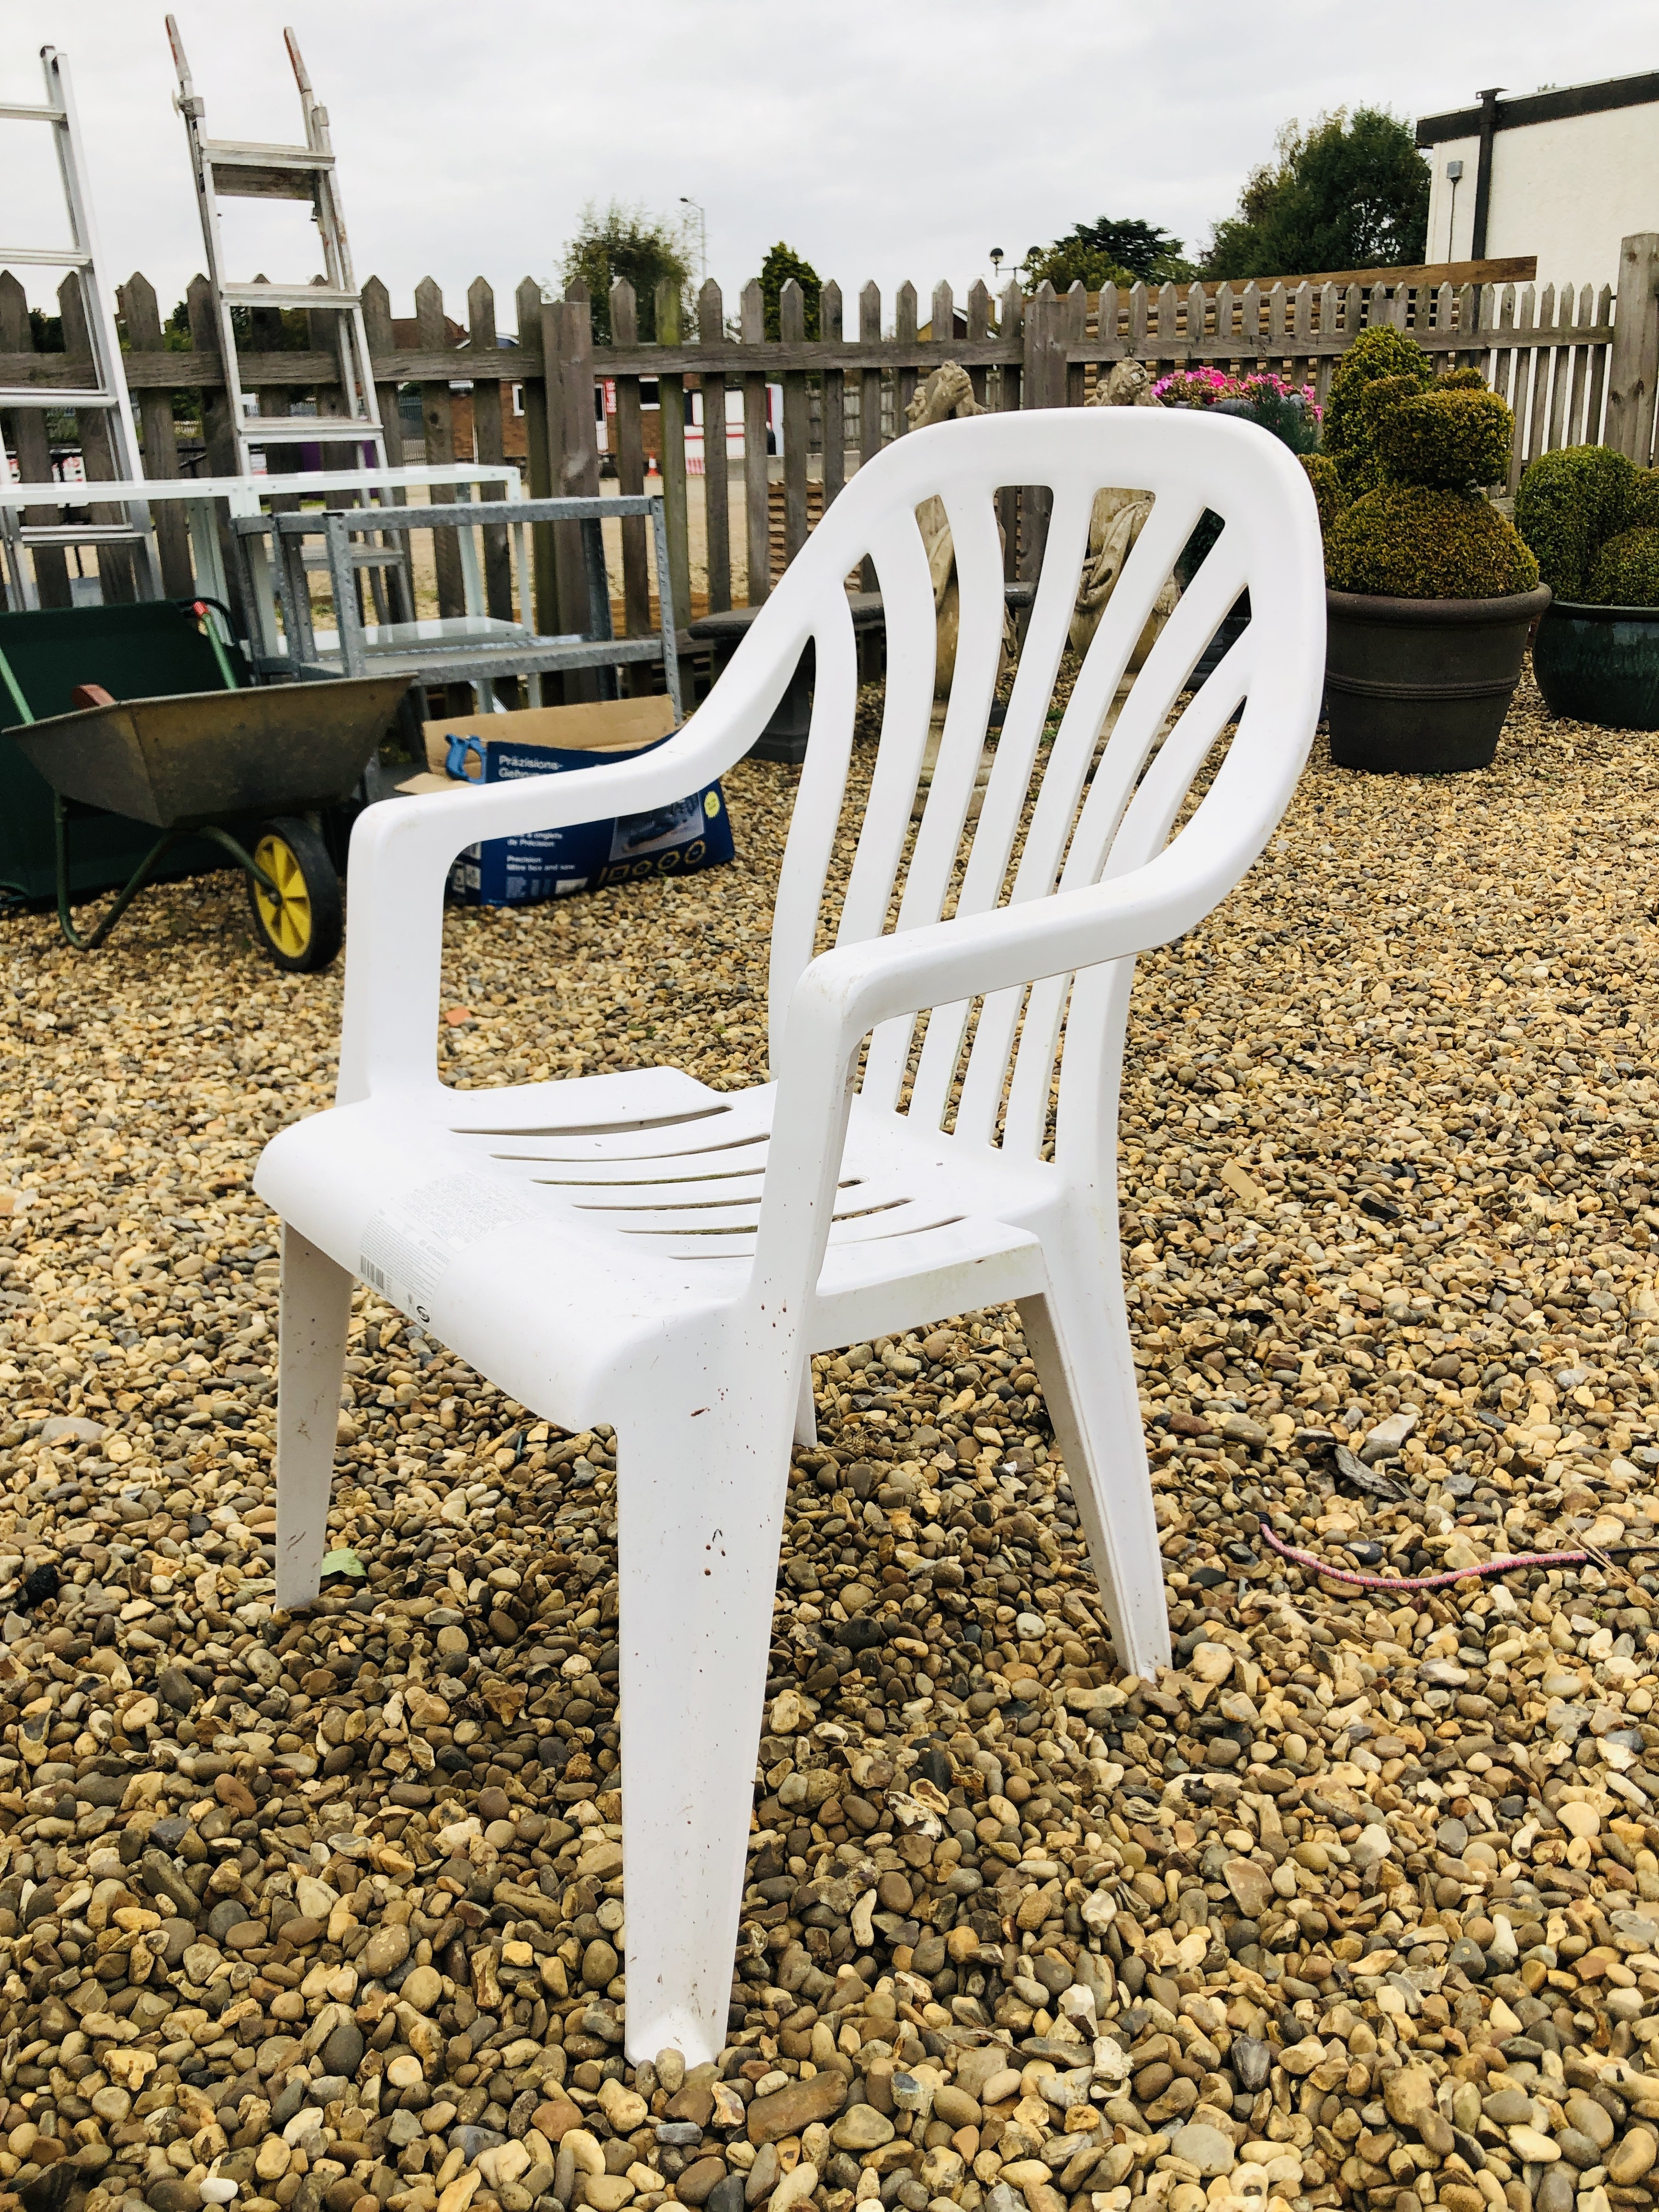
x: 1420, y: 542
x: 1626, y: 571
x: 1328, y: 494
x: 1642, y: 513
x: 1379, y: 355
x: 1425, y: 531
x: 1451, y: 437
x: 1571, y: 503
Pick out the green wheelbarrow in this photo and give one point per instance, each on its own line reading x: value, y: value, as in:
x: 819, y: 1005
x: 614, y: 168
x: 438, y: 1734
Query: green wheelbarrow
x: 247, y: 769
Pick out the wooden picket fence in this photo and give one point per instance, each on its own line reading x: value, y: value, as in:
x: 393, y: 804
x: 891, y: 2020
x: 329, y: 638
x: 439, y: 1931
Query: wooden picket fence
x: 1577, y: 365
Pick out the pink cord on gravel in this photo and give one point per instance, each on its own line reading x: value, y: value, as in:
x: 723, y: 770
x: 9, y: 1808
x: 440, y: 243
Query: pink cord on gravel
x: 1319, y: 1566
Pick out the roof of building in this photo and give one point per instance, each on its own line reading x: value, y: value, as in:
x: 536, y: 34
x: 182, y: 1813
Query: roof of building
x: 1554, y: 106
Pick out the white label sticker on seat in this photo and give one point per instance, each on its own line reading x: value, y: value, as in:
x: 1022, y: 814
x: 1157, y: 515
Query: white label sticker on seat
x: 409, y: 1245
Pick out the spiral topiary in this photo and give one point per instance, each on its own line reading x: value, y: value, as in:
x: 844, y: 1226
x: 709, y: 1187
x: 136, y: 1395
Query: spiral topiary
x: 1377, y: 355
x: 1425, y: 532
x: 1626, y: 572
x: 1451, y: 437
x: 1571, y: 502
x: 1328, y: 494
x: 1421, y: 542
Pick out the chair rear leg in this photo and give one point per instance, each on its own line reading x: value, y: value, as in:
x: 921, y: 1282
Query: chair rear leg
x: 701, y: 1472
x: 1088, y: 1383
x: 315, y: 1314
x: 806, y: 1413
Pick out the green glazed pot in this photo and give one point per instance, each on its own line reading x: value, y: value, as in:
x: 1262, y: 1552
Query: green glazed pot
x: 1600, y: 665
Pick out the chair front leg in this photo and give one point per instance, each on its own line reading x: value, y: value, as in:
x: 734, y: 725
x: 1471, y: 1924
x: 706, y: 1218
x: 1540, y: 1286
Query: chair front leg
x: 314, y: 1316
x: 702, y: 1467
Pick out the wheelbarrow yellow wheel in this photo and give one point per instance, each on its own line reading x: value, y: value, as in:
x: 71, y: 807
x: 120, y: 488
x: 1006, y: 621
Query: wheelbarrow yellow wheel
x: 301, y: 921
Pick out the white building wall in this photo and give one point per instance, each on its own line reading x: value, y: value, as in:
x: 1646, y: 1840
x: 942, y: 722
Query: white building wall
x: 1451, y: 211
x: 1567, y: 190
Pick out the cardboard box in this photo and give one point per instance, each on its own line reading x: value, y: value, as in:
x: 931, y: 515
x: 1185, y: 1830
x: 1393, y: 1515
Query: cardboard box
x: 682, y: 839
x: 597, y: 726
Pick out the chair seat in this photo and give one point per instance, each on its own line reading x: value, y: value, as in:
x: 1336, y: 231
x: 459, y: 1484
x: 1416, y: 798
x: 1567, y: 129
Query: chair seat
x: 542, y: 1231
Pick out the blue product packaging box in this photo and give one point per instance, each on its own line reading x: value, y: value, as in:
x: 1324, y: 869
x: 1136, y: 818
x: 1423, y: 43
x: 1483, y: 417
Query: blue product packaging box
x: 680, y: 839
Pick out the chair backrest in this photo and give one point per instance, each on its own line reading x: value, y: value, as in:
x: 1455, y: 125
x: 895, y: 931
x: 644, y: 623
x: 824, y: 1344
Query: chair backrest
x: 1056, y: 814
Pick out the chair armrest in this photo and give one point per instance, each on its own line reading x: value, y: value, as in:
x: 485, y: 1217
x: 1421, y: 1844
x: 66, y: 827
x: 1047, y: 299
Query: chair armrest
x: 402, y: 849
x: 849, y: 990
x: 844, y: 993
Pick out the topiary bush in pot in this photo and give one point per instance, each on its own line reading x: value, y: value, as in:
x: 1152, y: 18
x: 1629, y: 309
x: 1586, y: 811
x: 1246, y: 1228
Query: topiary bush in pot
x: 1382, y: 355
x: 1626, y: 572
x: 1328, y: 494
x: 1427, y: 533
x: 1432, y: 590
x: 1592, y: 519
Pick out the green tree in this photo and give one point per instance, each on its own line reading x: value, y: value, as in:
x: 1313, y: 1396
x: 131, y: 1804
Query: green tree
x: 626, y: 242
x: 779, y: 265
x: 1124, y: 250
x: 1349, y: 192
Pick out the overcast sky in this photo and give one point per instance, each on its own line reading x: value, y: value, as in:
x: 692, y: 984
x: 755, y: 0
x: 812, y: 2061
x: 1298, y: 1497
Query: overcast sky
x: 904, y: 140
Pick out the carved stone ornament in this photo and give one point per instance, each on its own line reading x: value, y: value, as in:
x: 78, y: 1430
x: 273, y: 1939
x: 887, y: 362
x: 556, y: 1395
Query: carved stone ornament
x: 1119, y: 517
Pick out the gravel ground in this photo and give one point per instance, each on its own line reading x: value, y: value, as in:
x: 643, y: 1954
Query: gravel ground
x: 1359, y: 1903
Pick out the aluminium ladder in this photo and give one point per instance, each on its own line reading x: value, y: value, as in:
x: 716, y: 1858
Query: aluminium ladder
x: 229, y: 168
x: 107, y: 392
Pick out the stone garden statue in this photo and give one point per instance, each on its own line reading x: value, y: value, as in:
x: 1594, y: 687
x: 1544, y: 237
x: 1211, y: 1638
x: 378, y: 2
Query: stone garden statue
x: 947, y: 392
x: 1118, y: 519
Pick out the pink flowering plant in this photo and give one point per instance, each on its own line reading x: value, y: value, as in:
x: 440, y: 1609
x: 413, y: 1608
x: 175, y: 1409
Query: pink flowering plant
x: 1290, y: 411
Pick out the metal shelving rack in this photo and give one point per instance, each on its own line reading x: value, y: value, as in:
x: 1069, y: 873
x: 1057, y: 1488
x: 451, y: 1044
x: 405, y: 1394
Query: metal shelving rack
x: 475, y: 648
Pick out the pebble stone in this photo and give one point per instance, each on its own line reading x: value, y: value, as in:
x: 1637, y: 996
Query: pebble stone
x: 327, y: 1911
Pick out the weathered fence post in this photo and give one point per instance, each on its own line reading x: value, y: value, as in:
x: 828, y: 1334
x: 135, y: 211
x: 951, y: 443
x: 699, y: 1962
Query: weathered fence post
x: 833, y: 411
x: 399, y: 586
x: 1013, y: 325
x: 756, y: 478
x: 574, y: 454
x: 942, y: 319
x: 978, y: 329
x: 1074, y: 327
x: 489, y: 443
x: 716, y: 479
x: 1042, y: 359
x: 26, y: 428
x: 630, y: 473
x: 438, y: 422
x: 904, y: 383
x: 530, y: 304
x: 144, y: 327
x: 1043, y: 383
x: 1633, y: 370
x: 377, y: 328
x: 115, y: 567
x: 869, y: 402
x: 791, y: 331
x: 671, y: 397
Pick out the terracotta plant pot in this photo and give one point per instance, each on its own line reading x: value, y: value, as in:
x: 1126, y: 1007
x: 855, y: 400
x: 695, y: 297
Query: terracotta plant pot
x: 1420, y: 687
x: 1600, y: 665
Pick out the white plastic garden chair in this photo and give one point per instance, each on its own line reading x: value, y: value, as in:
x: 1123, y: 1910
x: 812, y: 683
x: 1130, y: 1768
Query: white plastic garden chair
x: 640, y: 1249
